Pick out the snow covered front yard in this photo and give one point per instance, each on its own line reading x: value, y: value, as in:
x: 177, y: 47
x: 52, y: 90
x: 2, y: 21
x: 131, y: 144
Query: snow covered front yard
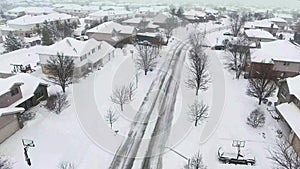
x: 232, y: 124
x: 62, y: 137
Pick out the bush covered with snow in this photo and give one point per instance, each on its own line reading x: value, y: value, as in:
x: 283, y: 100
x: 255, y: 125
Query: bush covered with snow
x: 26, y: 116
x: 57, y: 102
x: 66, y: 165
x: 256, y: 119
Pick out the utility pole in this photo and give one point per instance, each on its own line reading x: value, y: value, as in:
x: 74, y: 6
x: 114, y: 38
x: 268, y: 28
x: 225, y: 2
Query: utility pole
x: 176, y: 152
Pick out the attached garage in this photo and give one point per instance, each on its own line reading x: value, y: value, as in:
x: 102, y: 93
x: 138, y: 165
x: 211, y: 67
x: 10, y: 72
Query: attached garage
x: 9, y: 122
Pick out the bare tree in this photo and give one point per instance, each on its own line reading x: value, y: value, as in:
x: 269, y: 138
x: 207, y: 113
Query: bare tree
x: 120, y: 96
x: 198, y: 68
x: 111, y: 117
x: 238, y: 52
x: 60, y: 70
x: 131, y: 91
x: 256, y: 119
x: 66, y: 165
x: 237, y: 22
x: 196, y: 162
x: 61, y: 102
x: 284, y: 156
x: 197, y: 112
x: 171, y: 23
x: 5, y: 163
x: 196, y: 39
x: 262, y: 85
x: 146, y: 59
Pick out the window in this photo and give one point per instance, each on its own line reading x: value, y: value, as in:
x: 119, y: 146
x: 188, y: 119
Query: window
x: 83, y: 57
x: 93, y: 50
x: 286, y: 63
x: 14, y: 91
x: 282, y: 74
x: 99, y: 47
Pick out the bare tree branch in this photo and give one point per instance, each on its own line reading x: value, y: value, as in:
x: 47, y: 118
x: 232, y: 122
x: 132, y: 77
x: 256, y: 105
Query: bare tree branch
x: 197, y: 112
x: 120, y: 96
x: 262, y: 86
x: 284, y: 156
x: 198, y: 68
x: 146, y: 59
x: 111, y: 117
x: 61, y: 70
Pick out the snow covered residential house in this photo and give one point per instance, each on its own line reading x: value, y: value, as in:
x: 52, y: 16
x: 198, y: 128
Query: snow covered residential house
x: 259, y: 35
x: 194, y: 16
x: 24, y: 26
x: 113, y: 33
x: 75, y: 9
x: 282, y: 57
x: 265, y: 24
x: 161, y: 19
x: 139, y: 23
x: 22, y: 90
x: 18, y: 93
x: 109, y: 15
x: 87, y: 55
x: 289, y: 108
x: 30, y: 10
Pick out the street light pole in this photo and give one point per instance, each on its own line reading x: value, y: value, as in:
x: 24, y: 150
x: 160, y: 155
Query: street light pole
x: 176, y: 152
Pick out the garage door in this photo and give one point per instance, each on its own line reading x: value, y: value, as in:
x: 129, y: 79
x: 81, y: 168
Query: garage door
x: 8, y: 126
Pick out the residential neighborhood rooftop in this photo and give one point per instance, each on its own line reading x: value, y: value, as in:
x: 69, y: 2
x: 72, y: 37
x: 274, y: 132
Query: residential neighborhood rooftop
x: 291, y: 113
x: 108, y: 28
x: 294, y: 85
x: 281, y: 50
x: 259, y: 33
x: 30, y: 20
x: 70, y: 47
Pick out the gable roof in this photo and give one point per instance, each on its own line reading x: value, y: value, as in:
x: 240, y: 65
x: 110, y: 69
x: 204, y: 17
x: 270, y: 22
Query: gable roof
x: 30, y: 20
x: 294, y: 85
x: 260, y: 24
x: 10, y: 110
x: 109, y: 27
x: 105, y: 49
x: 70, y: 47
x: 259, y: 33
x: 28, y: 87
x: 281, y: 50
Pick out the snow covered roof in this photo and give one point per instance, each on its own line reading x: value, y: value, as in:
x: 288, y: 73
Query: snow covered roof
x: 30, y: 20
x: 11, y: 110
x: 102, y: 13
x: 259, y: 33
x: 108, y: 27
x: 151, y: 25
x: 260, y: 24
x: 70, y: 47
x: 291, y: 114
x: 281, y: 50
x: 134, y: 20
x: 149, y: 34
x: 23, y: 56
x: 28, y: 87
x: 161, y: 17
x: 105, y: 49
x: 194, y: 13
x: 277, y: 19
x: 294, y: 86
